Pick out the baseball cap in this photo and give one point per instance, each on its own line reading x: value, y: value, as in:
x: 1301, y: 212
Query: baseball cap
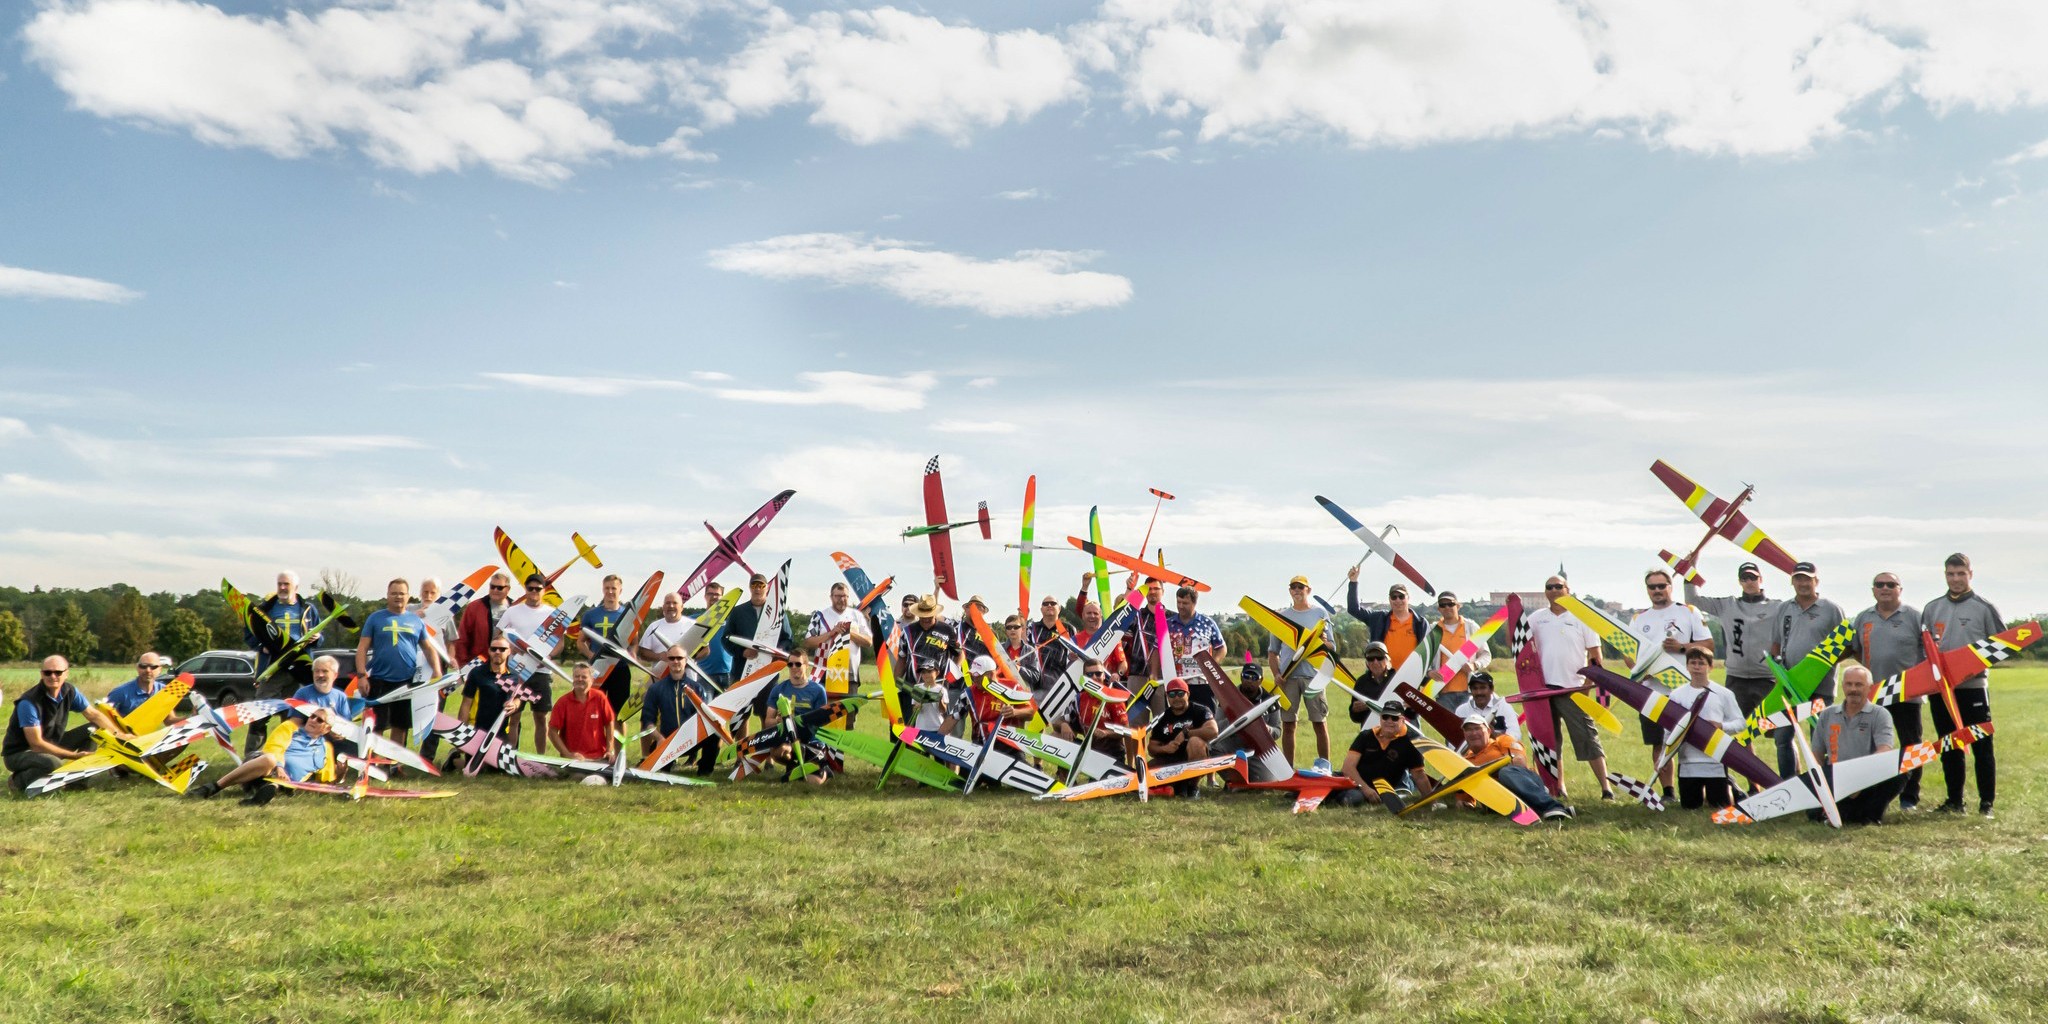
x: 1804, y: 569
x: 1176, y: 686
x: 1375, y: 647
x: 982, y: 665
x: 758, y: 578
x: 1479, y: 676
x: 1398, y: 588
x: 1302, y: 580
x: 533, y: 578
x: 1749, y: 569
x: 1391, y: 706
x: 1445, y: 597
x: 1476, y: 719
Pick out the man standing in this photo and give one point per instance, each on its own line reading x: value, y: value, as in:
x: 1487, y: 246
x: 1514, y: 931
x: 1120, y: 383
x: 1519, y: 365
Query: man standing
x: 149, y: 678
x: 1797, y: 627
x: 526, y: 616
x: 1305, y: 615
x: 1568, y: 645
x: 602, y: 620
x: 1957, y: 619
x: 1182, y: 733
x: 580, y: 726
x: 839, y: 624
x: 37, y: 741
x: 1702, y: 780
x: 275, y: 623
x: 1887, y: 642
x: 929, y: 641
x: 1499, y: 714
x: 1443, y: 640
x: 1398, y: 627
x: 1191, y: 633
x: 1856, y: 728
x: 480, y: 620
x: 1484, y: 746
x: 1746, y: 631
x: 714, y: 657
x: 668, y: 631
x: 746, y: 618
x: 389, y: 653
x: 1044, y: 652
x: 1674, y: 628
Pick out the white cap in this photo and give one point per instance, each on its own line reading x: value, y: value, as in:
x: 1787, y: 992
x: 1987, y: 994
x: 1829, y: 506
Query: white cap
x: 1478, y: 720
x: 983, y: 665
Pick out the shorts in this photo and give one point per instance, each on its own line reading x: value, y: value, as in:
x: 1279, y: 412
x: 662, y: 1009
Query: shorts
x: 1579, y: 727
x: 1317, y: 705
x: 1749, y: 692
x: 1653, y: 734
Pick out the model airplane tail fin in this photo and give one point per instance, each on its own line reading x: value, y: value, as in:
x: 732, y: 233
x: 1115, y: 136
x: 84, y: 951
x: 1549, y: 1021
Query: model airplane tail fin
x: 981, y: 516
x: 1683, y: 567
x: 585, y: 551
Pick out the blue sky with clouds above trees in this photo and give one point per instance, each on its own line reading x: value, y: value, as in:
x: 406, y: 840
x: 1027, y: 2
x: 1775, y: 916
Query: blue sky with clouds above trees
x: 347, y: 284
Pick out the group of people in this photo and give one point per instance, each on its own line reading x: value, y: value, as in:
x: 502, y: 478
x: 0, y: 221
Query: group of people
x: 951, y: 682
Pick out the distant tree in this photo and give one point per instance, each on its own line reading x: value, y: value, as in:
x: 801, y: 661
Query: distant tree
x: 66, y: 632
x: 128, y: 629
x: 182, y: 634
x: 226, y: 629
x: 344, y: 586
x: 799, y: 622
x: 13, y: 637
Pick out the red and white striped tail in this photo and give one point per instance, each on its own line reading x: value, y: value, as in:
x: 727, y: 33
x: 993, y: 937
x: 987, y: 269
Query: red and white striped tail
x: 1682, y: 567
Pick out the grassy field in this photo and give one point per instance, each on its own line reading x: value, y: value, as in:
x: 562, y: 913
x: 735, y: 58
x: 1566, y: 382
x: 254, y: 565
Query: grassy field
x: 762, y: 901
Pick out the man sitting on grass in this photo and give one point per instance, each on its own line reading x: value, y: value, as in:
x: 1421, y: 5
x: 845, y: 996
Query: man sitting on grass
x: 1484, y: 746
x: 580, y: 725
x: 1384, y: 760
x: 1181, y: 734
x: 1856, y: 728
x: 297, y: 751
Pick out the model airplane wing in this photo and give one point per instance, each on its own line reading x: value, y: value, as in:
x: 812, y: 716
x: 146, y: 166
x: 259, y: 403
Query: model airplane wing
x: 1713, y: 511
x: 1701, y: 734
x: 365, y: 740
x: 882, y: 753
x: 1798, y: 684
x: 1921, y: 680
x: 149, y: 716
x: 968, y: 757
x: 1157, y: 778
x: 1373, y: 541
x: 941, y: 540
x: 1476, y: 781
x: 1656, y: 664
x: 1149, y: 570
x: 1462, y: 658
x: 729, y: 548
x: 865, y: 590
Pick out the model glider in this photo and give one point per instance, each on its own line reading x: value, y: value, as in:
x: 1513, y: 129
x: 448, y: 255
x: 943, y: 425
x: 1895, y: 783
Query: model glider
x: 1723, y: 519
x: 938, y: 530
x: 865, y: 591
x: 1149, y: 570
x: 331, y: 613
x: 1025, y: 547
x: 1701, y: 734
x: 1457, y: 775
x: 425, y: 699
x: 1157, y: 778
x: 1655, y: 666
x: 520, y: 566
x: 729, y: 549
x: 1461, y: 658
x: 366, y: 768
x: 1101, y: 566
x: 1925, y: 679
x: 1260, y: 765
x: 1846, y: 778
x: 1797, y: 685
x: 1064, y: 693
x: 1160, y: 498
x: 1378, y: 546
x: 715, y: 718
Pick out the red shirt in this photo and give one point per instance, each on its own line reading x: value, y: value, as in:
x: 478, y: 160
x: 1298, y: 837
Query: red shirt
x: 586, y: 725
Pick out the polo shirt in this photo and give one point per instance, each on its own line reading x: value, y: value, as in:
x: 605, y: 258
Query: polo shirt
x: 1392, y: 762
x: 1839, y: 736
x: 586, y: 725
x: 1888, y: 646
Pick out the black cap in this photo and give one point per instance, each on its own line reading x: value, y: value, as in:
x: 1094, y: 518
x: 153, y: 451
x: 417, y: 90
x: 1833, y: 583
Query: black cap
x: 1749, y: 569
x: 1805, y: 568
x: 1479, y: 676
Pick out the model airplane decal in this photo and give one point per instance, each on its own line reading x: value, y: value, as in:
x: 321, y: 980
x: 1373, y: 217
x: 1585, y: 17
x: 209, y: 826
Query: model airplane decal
x: 1461, y: 658
x: 938, y: 530
x: 729, y: 549
x: 1061, y: 696
x: 1143, y: 568
x: 891, y: 756
x: 1655, y: 665
x: 520, y: 566
x: 1380, y: 547
x: 865, y: 591
x: 1723, y: 519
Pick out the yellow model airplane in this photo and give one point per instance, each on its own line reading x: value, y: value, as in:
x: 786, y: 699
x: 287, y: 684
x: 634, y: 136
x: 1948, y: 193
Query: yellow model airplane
x: 143, y: 746
x: 1462, y: 776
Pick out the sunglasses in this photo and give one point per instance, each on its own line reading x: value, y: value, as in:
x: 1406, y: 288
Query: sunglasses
x: 1375, y: 657
x: 501, y: 650
x: 501, y: 586
x: 1097, y: 675
x: 1887, y: 586
x: 147, y: 668
x: 54, y: 671
x: 531, y: 589
x: 678, y: 658
x: 1296, y: 586
x: 1553, y: 586
x: 1659, y: 586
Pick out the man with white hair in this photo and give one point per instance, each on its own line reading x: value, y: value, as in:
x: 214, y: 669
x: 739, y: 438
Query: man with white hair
x: 1856, y: 728
x: 275, y: 623
x: 321, y: 692
x: 480, y: 620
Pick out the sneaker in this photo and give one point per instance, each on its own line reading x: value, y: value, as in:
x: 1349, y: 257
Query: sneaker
x: 1985, y: 810
x: 1908, y: 805
x: 1556, y: 814
x: 1950, y: 807
x: 1606, y: 794
x: 1322, y: 765
x: 260, y: 794
x: 1570, y: 811
x: 204, y: 790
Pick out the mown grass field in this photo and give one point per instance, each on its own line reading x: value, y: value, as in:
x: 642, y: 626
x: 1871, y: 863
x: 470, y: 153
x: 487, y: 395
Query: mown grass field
x: 762, y: 901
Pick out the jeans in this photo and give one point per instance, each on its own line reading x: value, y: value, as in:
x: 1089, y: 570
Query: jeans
x: 1529, y: 786
x: 30, y: 765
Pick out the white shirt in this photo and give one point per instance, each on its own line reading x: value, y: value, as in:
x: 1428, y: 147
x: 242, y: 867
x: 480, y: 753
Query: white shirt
x: 1502, y: 712
x: 1721, y: 709
x: 526, y: 622
x: 1562, y: 640
x: 661, y: 634
x: 825, y: 620
x: 1677, y: 621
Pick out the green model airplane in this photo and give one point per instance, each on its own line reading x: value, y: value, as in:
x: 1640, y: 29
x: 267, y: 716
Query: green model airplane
x: 1797, y: 684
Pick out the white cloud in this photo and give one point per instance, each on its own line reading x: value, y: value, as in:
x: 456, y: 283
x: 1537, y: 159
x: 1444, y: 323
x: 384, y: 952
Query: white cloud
x: 975, y: 427
x: 883, y: 74
x: 868, y: 391
x: 588, y: 387
x: 12, y: 429
x: 1035, y: 282
x: 19, y: 283
x: 1021, y: 194
x: 982, y: 382
x: 415, y: 84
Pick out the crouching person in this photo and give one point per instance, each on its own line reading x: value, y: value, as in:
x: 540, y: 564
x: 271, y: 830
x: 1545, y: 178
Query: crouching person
x: 298, y: 750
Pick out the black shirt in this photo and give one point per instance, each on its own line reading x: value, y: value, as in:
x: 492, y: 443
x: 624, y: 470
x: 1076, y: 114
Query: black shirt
x: 1172, y: 725
x: 487, y: 689
x: 933, y: 646
x: 1392, y: 762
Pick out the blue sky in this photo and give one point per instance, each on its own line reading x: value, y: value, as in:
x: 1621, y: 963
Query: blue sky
x: 347, y: 285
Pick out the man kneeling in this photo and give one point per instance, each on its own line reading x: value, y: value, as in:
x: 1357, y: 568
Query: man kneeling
x: 297, y: 751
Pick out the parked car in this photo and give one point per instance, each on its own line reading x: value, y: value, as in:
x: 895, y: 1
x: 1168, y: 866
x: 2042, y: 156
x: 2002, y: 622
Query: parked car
x: 229, y: 677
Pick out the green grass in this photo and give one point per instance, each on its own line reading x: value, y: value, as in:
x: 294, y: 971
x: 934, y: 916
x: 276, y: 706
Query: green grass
x: 761, y: 901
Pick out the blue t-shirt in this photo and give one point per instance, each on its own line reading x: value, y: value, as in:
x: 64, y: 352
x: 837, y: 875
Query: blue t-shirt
x: 335, y: 700
x: 305, y: 757
x: 394, y: 644
x: 605, y: 623
x: 130, y: 695
x: 26, y: 715
x: 803, y: 698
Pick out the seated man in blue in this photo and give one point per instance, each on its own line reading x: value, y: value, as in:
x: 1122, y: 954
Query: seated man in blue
x: 297, y: 750
x: 322, y: 692
x: 149, y: 678
x: 797, y: 697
